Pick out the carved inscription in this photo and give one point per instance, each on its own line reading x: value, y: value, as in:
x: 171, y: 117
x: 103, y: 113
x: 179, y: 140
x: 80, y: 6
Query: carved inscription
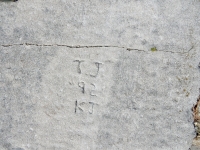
x: 97, y: 64
x: 82, y: 86
x: 92, y: 107
x: 79, y: 65
x: 78, y: 106
x: 84, y: 107
x: 93, y: 91
x: 92, y: 74
x: 88, y: 89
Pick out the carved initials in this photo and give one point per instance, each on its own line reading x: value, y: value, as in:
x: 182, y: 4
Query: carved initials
x: 79, y: 65
x: 89, y: 106
x: 97, y: 64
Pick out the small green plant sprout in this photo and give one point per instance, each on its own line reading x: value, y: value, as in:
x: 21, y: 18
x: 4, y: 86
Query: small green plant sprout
x: 154, y: 49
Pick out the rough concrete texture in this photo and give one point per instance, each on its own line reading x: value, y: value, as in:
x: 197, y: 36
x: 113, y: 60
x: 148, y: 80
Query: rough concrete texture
x: 98, y: 75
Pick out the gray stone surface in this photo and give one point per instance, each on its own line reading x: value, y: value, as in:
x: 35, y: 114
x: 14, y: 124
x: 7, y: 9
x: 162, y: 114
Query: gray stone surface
x: 83, y: 75
x: 195, y: 148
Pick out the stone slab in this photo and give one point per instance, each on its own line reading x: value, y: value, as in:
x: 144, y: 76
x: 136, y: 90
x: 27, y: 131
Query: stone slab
x: 98, y: 75
x: 96, y: 98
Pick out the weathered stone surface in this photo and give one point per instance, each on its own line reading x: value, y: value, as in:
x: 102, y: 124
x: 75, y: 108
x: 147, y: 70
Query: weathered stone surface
x: 169, y: 25
x: 101, y: 75
x: 195, y: 148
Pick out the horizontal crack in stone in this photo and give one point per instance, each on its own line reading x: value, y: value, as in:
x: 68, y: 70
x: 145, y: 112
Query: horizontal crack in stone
x: 92, y: 46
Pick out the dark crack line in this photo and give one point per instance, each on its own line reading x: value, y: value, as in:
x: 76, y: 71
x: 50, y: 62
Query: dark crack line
x: 70, y: 46
x: 94, y: 46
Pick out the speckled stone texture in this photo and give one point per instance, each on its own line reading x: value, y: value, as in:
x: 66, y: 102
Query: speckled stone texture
x: 98, y: 75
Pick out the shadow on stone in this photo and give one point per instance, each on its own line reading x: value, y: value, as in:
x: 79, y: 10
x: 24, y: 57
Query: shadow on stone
x: 8, y: 0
